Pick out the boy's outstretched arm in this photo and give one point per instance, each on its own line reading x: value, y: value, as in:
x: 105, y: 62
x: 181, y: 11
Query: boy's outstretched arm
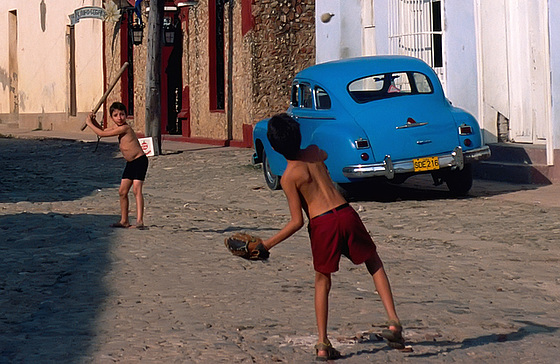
x: 296, y: 222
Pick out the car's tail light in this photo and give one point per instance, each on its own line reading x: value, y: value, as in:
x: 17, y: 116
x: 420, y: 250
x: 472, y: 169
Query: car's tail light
x: 467, y: 142
x: 465, y: 130
x: 364, y: 157
x: 362, y: 144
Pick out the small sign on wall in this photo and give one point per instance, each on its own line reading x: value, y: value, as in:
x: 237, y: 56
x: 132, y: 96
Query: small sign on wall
x: 147, y: 145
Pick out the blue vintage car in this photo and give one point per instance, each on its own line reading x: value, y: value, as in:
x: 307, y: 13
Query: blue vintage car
x: 378, y: 117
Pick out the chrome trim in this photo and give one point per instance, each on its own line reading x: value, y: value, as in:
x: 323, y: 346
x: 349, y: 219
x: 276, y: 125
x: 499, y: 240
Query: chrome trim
x: 458, y: 157
x: 361, y: 140
x: 420, y: 142
x: 411, y: 125
x: 315, y: 117
x: 477, y: 154
x: 463, y: 126
x: 388, y: 168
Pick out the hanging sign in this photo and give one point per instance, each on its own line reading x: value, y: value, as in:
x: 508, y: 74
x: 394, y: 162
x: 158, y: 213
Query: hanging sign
x: 94, y: 12
x: 147, y: 145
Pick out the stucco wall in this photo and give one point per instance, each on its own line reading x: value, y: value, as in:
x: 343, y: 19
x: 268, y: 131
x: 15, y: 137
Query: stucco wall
x: 43, y: 63
x: 284, y: 44
x: 204, y: 123
x: 265, y: 60
x: 114, y: 61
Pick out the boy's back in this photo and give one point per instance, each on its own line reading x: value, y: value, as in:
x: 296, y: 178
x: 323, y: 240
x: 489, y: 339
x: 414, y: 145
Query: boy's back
x: 309, y: 176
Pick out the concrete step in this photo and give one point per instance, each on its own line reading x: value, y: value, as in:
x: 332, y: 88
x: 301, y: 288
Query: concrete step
x: 518, y: 153
x: 515, y: 163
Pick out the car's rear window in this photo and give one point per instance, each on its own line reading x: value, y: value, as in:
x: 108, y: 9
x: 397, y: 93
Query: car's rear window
x: 388, y: 85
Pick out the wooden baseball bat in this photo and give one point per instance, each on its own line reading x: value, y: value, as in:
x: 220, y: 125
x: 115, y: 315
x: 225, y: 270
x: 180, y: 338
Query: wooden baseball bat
x: 109, y: 89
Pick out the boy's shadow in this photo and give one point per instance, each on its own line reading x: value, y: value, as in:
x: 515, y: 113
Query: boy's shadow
x: 447, y: 346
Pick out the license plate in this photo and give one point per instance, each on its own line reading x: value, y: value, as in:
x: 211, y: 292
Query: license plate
x: 426, y: 164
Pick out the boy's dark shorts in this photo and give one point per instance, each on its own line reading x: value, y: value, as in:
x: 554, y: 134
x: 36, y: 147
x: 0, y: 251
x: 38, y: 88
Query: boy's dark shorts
x: 136, y: 170
x: 336, y: 233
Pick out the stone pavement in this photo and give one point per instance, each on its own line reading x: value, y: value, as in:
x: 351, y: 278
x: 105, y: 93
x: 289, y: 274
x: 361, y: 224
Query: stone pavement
x: 475, y: 279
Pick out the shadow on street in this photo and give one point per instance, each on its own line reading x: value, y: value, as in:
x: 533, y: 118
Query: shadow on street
x: 51, y: 285
x: 48, y: 170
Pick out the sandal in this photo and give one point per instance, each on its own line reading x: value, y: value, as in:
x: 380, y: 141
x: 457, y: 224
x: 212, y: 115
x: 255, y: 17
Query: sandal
x: 332, y: 353
x: 394, y: 338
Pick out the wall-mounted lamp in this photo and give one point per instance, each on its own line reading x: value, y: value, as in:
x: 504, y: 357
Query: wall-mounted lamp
x: 168, y: 32
x: 137, y: 33
x: 326, y: 17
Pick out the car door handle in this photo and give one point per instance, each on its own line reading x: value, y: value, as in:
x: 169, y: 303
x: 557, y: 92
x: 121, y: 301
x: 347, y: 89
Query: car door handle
x: 411, y: 125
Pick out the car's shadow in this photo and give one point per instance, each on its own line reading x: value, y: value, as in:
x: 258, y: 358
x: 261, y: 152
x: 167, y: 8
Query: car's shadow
x: 422, y: 188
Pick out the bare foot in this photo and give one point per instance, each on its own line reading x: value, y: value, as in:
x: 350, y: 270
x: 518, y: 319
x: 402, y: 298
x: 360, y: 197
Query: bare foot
x: 139, y: 227
x: 120, y: 225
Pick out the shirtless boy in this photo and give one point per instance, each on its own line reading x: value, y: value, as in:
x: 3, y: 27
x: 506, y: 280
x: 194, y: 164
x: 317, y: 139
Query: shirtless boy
x: 334, y: 228
x: 136, y: 162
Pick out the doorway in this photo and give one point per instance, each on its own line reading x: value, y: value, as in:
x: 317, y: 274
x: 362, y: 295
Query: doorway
x: 172, y: 77
x: 514, y: 63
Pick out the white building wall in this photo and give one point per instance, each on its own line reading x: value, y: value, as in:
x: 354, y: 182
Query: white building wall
x: 43, y: 62
x: 460, y: 54
x: 381, y: 14
x: 341, y: 36
x: 553, y: 16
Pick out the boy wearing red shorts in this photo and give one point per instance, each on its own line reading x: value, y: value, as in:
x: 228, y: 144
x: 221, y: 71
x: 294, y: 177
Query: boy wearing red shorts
x: 334, y: 227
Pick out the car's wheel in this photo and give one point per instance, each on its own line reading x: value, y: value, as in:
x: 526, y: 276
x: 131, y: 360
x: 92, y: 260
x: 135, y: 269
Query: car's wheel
x: 272, y: 180
x: 460, y: 182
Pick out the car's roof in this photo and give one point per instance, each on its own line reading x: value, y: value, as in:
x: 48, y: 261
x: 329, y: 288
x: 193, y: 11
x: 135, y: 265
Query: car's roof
x: 350, y: 69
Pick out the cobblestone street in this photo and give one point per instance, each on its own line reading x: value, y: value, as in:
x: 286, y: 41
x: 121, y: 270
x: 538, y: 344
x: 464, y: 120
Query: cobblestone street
x: 475, y: 279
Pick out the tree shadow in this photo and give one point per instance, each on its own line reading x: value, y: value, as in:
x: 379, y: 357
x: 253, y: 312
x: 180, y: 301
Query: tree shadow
x: 52, y: 288
x: 47, y: 170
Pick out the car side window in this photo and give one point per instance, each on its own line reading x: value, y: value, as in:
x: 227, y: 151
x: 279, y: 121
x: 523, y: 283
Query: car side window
x: 306, y: 96
x: 388, y: 85
x: 422, y: 83
x: 322, y: 99
x: 294, y: 100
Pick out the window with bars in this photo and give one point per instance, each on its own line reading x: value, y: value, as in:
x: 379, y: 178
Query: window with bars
x: 415, y: 29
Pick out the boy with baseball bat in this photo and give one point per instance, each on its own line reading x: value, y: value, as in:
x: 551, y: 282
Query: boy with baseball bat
x: 335, y: 229
x: 136, y: 162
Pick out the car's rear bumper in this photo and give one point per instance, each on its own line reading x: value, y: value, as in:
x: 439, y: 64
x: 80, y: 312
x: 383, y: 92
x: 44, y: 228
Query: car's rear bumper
x: 388, y: 168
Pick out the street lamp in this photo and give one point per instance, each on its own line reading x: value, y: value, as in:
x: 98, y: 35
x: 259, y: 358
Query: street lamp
x: 137, y: 33
x: 168, y: 32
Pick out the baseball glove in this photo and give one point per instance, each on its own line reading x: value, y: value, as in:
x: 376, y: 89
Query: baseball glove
x: 247, y: 246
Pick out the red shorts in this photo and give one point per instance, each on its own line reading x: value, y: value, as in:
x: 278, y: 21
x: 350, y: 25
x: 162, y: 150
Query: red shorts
x: 335, y: 233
